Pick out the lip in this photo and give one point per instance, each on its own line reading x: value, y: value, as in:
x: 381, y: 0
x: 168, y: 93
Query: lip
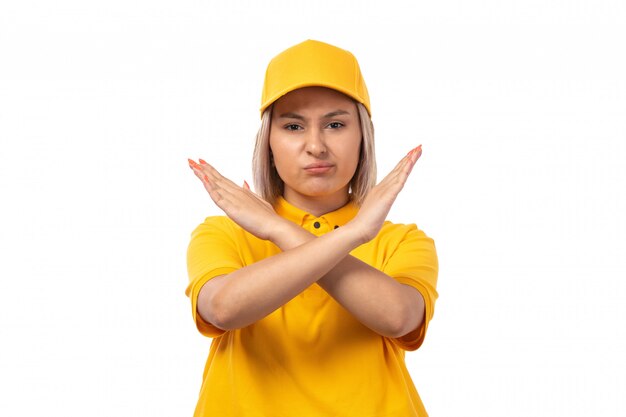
x: 319, y: 167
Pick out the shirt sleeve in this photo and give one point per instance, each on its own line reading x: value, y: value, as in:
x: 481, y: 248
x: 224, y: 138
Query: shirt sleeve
x: 414, y: 262
x: 212, y: 251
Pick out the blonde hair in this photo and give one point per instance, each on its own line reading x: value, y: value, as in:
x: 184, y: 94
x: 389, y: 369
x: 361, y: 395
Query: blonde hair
x: 270, y: 186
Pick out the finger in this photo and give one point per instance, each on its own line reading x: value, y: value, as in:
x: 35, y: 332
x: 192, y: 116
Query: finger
x: 209, y: 185
x: 394, y: 181
x: 205, y: 180
x: 204, y: 167
x: 213, y: 176
x: 218, y: 194
x: 405, y: 161
x: 231, y: 202
x: 195, y: 168
x: 414, y: 157
x: 207, y: 169
x: 192, y: 163
x: 401, y: 167
x: 198, y: 171
x: 225, y: 193
x: 218, y: 179
x: 416, y: 153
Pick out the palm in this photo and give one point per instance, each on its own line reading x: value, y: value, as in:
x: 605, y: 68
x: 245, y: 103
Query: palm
x: 380, y: 198
x: 240, y: 204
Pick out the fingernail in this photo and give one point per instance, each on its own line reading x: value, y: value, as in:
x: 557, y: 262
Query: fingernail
x: 206, y: 178
x: 246, y: 184
x: 202, y: 161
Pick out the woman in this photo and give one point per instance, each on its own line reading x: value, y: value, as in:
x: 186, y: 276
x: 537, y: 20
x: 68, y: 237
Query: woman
x: 311, y: 296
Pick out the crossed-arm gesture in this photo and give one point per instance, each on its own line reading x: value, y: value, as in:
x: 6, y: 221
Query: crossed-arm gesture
x: 250, y: 293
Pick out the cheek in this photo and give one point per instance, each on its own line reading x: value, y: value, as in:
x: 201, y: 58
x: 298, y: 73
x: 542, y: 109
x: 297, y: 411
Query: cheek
x: 279, y: 153
x: 352, y: 153
x: 282, y: 158
x: 275, y: 149
x: 354, y: 163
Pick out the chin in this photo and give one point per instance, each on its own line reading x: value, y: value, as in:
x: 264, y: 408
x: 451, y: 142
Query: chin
x: 319, y: 189
x: 320, y: 193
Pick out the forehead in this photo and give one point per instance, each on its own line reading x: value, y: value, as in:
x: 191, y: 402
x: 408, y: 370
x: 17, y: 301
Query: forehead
x: 313, y: 99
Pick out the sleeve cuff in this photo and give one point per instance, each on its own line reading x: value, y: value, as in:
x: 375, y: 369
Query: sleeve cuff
x: 192, y: 291
x: 413, y: 340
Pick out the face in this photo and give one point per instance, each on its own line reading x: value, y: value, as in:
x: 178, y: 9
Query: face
x: 315, y: 141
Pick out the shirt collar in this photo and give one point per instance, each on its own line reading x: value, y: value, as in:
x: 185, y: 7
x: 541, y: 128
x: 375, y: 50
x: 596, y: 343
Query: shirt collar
x: 339, y: 217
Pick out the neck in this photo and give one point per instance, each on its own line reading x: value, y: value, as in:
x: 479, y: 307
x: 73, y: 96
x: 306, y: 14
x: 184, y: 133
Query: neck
x: 317, y: 206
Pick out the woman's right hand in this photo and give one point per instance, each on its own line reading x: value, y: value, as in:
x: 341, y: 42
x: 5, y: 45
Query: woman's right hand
x: 380, y: 199
x: 244, y: 207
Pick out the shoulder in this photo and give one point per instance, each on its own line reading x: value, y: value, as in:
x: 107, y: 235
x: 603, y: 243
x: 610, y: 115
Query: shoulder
x: 222, y: 229
x: 222, y: 223
x: 410, y: 254
x: 214, y: 230
x: 219, y: 225
x: 397, y: 233
x: 398, y: 245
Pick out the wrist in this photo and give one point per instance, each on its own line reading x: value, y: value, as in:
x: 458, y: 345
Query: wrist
x: 287, y: 235
x: 356, y: 233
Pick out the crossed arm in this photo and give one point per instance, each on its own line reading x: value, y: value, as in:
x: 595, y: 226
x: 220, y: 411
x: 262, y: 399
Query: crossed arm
x: 244, y: 296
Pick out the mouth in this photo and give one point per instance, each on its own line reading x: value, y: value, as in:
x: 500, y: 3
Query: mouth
x: 318, y: 167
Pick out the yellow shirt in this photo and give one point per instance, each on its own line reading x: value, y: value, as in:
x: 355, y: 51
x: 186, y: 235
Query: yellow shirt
x: 310, y: 357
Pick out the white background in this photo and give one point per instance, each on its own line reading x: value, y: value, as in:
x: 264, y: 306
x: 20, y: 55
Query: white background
x: 521, y: 110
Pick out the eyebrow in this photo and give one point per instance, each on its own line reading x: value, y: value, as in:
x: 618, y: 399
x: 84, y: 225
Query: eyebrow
x: 291, y: 115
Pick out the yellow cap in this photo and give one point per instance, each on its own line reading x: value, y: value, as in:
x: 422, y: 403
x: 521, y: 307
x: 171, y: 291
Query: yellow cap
x: 314, y: 63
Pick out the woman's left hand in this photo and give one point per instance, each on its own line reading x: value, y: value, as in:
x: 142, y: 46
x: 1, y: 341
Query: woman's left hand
x: 379, y: 199
x: 243, y: 206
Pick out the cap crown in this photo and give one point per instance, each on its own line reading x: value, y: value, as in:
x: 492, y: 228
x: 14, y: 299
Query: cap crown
x: 314, y: 63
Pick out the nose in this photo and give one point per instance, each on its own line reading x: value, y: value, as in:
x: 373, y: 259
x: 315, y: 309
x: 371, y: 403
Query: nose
x: 315, y: 144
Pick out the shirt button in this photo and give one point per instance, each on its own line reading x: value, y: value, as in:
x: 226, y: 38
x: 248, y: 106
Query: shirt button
x: 316, y: 225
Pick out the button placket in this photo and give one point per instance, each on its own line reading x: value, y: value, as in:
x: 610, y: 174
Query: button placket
x: 319, y: 225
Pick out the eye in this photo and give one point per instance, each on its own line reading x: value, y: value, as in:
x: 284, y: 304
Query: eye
x: 335, y: 125
x: 292, y: 127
